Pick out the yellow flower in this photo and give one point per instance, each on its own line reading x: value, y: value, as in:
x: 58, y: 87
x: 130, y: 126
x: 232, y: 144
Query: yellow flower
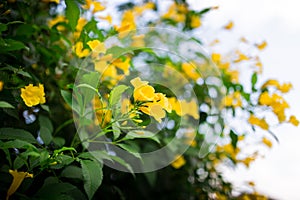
x: 234, y: 100
x: 178, y: 162
x: 234, y: 75
x: 182, y: 107
x: 195, y: 21
x: 138, y: 41
x: 18, y: 178
x: 271, y: 82
x: 122, y: 64
x: 142, y: 91
x: 258, y: 122
x: 140, y: 9
x: 103, y: 115
x: 286, y: 87
x: 108, y: 18
x: 262, y: 46
x: 241, y: 57
x: 79, y: 51
x: 56, y: 20
x: 265, y: 99
x: 93, y: 4
x: 267, y: 142
x: 176, y: 12
x: 190, y: 70
x: 1, y: 85
x: 48, y: 1
x: 33, y: 95
x: 96, y: 46
x: 247, y: 161
x: 229, y: 26
x: 127, y: 24
x: 216, y: 57
x: 293, y: 120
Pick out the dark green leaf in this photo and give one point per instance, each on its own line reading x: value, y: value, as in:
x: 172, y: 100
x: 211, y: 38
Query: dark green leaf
x: 92, y: 175
x: 234, y: 139
x: 20, y: 134
x: 72, y: 13
x: 116, y: 94
x: 72, y: 172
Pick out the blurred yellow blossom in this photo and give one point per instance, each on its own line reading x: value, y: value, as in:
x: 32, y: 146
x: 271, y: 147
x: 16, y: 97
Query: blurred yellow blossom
x: 191, y: 71
x: 258, y: 122
x: 108, y: 18
x: 18, y: 178
x: 33, y: 95
x: 103, y: 114
x: 178, y: 162
x: 229, y: 26
x: 127, y: 24
x: 195, y: 21
x: 138, y: 41
x: 293, y: 120
x: 56, y: 20
x: 79, y: 51
x: 1, y: 85
x: 262, y: 45
x: 95, y: 5
x: 267, y: 142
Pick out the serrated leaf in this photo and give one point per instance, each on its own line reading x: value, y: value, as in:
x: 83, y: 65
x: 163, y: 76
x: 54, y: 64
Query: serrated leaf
x: 4, y: 104
x: 72, y: 13
x: 92, y: 176
x: 116, y: 94
x: 20, y: 134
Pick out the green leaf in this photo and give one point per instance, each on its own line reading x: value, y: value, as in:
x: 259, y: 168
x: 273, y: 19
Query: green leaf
x: 56, y: 191
x: 4, y: 104
x: 67, y: 96
x: 254, y: 81
x: 95, y: 155
x: 72, y: 13
x: 58, y: 151
x: 45, y: 107
x: 3, y: 27
x: 116, y: 93
x: 72, y: 172
x: 141, y: 134
x: 11, y: 45
x: 19, y: 144
x: 59, y: 141
x: 20, y: 134
x: 234, y: 139
x: 92, y: 175
x: 46, y: 129
x: 131, y: 149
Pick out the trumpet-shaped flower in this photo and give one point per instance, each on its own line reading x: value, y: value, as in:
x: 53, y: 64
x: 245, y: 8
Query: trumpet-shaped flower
x: 33, y: 95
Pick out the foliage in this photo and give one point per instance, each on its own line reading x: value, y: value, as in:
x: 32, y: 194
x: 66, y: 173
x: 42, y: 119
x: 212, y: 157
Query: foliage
x: 70, y: 103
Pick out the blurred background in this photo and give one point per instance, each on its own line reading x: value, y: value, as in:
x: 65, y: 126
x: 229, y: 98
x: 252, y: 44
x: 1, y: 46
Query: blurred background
x: 277, y: 22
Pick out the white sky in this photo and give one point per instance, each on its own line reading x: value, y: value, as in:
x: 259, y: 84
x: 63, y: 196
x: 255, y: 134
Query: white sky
x: 277, y: 21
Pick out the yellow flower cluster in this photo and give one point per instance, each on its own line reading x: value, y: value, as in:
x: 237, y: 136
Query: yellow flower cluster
x: 56, y: 20
x: 176, y: 12
x: 276, y: 102
x: 258, y: 122
x: 154, y: 104
x: 33, y: 95
x: 233, y: 100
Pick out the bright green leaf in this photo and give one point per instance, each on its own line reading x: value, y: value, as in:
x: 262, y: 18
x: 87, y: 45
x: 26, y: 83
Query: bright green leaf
x: 116, y: 94
x: 72, y: 13
x: 4, y: 104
